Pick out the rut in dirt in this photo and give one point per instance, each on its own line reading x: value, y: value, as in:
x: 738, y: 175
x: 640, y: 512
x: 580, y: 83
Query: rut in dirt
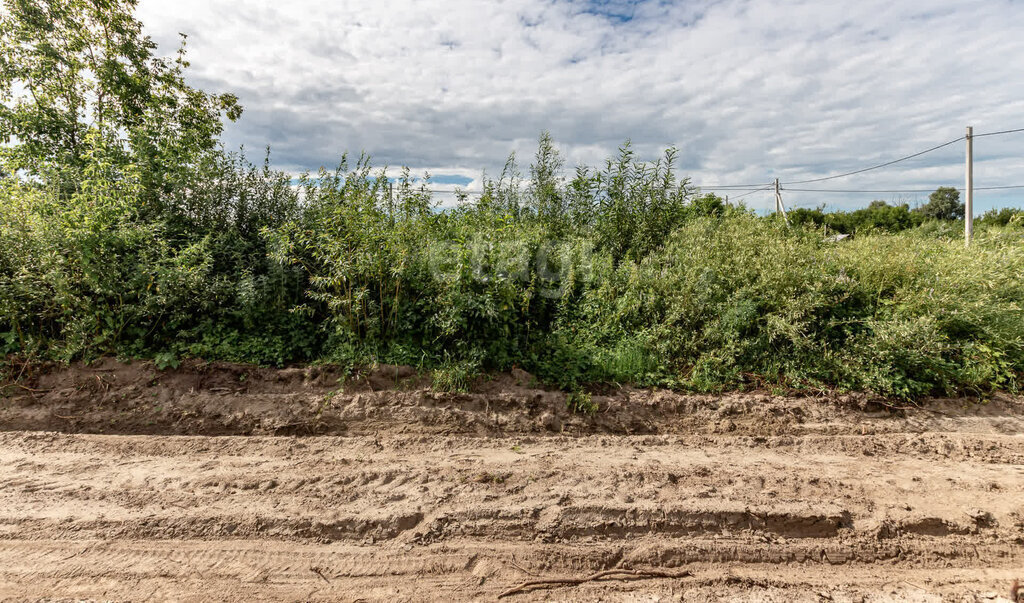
x: 419, y: 495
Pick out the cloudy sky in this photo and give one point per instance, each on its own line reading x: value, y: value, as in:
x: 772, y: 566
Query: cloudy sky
x: 747, y: 90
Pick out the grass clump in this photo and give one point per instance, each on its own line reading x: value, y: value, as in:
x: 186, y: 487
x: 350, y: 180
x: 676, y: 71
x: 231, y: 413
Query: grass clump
x: 455, y: 375
x: 581, y: 402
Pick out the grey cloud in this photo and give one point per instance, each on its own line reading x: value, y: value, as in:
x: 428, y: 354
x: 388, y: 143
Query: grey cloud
x: 747, y: 90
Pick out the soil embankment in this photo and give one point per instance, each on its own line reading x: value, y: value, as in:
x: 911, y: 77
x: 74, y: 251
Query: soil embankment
x: 115, y: 486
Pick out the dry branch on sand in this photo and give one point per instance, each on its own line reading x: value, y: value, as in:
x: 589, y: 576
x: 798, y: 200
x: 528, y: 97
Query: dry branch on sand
x: 612, y: 574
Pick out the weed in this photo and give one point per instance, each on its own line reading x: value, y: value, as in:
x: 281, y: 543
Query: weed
x: 455, y: 375
x: 581, y: 402
x: 165, y: 360
x: 487, y: 477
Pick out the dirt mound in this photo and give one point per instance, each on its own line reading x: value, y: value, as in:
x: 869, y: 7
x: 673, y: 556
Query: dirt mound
x: 229, y: 399
x: 385, y: 490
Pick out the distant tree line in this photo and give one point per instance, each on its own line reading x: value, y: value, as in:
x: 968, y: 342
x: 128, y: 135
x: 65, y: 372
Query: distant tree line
x: 943, y: 205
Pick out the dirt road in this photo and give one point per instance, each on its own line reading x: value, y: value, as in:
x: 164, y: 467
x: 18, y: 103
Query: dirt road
x: 401, y: 494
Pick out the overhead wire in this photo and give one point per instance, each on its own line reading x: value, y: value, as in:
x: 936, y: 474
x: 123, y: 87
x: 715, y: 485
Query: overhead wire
x: 750, y: 189
x: 916, y: 190
x: 996, y: 188
x: 997, y: 133
x: 881, y: 165
x: 833, y: 190
x: 769, y: 187
x: 715, y: 187
x: 760, y: 190
x: 888, y: 163
x: 724, y: 188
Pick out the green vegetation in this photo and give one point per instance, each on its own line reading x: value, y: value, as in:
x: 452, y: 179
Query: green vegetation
x: 943, y: 212
x: 877, y: 217
x: 126, y: 229
x: 581, y: 402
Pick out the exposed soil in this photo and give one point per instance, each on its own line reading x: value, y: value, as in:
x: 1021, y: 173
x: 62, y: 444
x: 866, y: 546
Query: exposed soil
x: 116, y: 484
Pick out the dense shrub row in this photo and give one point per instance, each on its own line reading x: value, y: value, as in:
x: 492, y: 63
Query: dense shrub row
x: 622, y: 275
x: 133, y: 233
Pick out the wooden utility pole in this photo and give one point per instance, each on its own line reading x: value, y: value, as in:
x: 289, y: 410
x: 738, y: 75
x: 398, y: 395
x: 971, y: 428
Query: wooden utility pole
x: 969, y: 190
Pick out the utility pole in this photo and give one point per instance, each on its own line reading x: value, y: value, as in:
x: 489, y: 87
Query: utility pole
x: 969, y: 190
x: 778, y: 198
x: 780, y: 209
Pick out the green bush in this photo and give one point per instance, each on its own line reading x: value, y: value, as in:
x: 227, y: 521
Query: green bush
x: 946, y: 318
x: 1007, y: 216
x: 732, y: 301
x: 878, y: 216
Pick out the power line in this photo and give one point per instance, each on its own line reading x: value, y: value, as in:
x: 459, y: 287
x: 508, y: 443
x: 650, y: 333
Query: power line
x: 717, y: 187
x: 760, y: 190
x: 747, y: 190
x: 714, y: 187
x: 888, y: 163
x: 725, y: 188
x: 996, y: 188
x: 832, y: 190
x: 919, y: 190
x: 765, y: 187
x: 769, y: 187
x: 881, y: 165
x: 997, y: 133
x: 750, y: 189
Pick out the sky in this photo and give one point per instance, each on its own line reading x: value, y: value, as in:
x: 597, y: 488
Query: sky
x: 746, y: 90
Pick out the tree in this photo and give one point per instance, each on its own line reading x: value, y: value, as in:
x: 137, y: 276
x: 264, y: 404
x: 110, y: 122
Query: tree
x: 546, y: 182
x: 943, y: 204
x: 879, y: 215
x: 72, y: 70
x: 1002, y: 217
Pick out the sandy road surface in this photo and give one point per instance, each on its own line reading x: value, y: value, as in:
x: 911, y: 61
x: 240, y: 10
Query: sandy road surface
x: 463, y: 497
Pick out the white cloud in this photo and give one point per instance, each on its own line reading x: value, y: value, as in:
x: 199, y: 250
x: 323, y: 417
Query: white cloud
x: 747, y: 90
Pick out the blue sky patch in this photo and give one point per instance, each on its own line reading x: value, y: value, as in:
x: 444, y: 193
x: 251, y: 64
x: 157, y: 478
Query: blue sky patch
x: 450, y: 179
x: 618, y: 11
